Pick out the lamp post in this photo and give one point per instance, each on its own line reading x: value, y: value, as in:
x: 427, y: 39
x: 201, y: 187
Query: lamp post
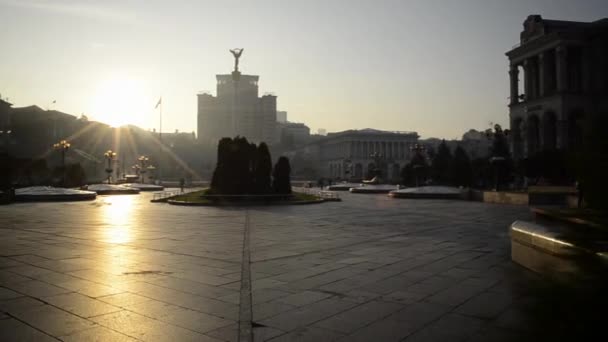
x: 348, y: 165
x: 418, y: 150
x: 151, y: 175
x: 110, y: 157
x: 62, y: 146
x: 143, y: 161
x: 136, y: 168
x: 497, y: 164
x: 378, y: 159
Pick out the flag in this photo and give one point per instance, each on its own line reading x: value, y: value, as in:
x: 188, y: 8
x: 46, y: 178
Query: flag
x: 160, y: 100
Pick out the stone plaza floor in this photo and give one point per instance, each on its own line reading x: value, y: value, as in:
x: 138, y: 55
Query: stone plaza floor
x: 369, y: 268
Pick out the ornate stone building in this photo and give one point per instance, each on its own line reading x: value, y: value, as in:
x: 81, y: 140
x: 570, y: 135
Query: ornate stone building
x: 353, y: 153
x: 565, y: 79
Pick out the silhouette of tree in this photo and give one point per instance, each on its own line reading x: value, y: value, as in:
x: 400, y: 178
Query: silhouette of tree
x: 417, y: 168
x: 263, y: 170
x: 281, y: 182
x: 242, y: 168
x: 500, y: 142
x: 440, y: 168
x: 462, y: 170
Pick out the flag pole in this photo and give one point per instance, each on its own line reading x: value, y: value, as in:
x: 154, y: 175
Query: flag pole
x: 160, y: 138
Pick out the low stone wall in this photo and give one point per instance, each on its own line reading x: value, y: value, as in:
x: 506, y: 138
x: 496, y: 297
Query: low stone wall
x: 500, y: 197
x: 549, y: 250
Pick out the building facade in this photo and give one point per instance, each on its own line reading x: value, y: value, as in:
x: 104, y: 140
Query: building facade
x: 353, y: 154
x: 293, y: 134
x: 237, y: 110
x: 565, y: 79
x: 281, y: 116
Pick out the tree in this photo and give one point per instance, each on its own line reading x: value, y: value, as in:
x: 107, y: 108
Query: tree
x: 500, y: 155
x: 281, y: 182
x: 263, y: 170
x: 440, y: 168
x: 75, y: 175
x: 415, y: 172
x: 500, y: 143
x: 462, y: 170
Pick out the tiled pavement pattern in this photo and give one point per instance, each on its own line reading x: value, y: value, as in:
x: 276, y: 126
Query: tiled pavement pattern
x: 369, y: 268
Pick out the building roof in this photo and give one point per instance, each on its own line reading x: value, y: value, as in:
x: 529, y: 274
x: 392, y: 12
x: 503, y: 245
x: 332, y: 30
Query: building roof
x: 369, y: 131
x: 5, y: 103
x: 537, y: 29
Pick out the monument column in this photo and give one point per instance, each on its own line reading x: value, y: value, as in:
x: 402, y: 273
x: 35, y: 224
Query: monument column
x: 561, y: 58
x: 542, y: 82
x: 514, y: 78
x: 527, y: 80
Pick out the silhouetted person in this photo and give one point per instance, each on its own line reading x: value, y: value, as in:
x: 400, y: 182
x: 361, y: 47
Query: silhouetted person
x: 182, y: 182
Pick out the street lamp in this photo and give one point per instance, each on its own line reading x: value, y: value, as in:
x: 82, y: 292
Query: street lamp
x: 151, y: 169
x: 62, y: 146
x: 110, y: 157
x: 378, y: 158
x: 143, y: 160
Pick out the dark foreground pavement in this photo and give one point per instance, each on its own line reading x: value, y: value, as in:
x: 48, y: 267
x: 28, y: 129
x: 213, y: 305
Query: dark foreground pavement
x: 369, y: 268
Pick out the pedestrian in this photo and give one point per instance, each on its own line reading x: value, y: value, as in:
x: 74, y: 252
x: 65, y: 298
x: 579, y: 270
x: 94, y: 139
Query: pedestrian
x: 182, y: 182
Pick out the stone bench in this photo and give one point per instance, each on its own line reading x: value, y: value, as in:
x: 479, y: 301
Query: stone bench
x: 559, y: 252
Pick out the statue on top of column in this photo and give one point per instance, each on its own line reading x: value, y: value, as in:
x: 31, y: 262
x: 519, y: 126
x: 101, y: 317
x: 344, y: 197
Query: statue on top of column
x: 237, y: 54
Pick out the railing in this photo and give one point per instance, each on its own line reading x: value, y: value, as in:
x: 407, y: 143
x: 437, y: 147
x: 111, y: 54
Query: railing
x: 166, y: 194
x: 324, y: 194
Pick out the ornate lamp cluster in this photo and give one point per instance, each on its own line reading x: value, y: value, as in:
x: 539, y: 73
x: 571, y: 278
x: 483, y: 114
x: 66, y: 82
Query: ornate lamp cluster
x: 110, y: 157
x: 62, y: 146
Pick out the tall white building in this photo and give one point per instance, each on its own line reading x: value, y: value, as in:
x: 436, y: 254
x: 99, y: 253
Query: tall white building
x: 237, y: 110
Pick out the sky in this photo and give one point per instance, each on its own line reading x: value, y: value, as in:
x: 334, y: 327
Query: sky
x: 434, y: 67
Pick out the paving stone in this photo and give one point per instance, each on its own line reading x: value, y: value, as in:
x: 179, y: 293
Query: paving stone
x: 450, y: 327
x: 81, y: 305
x: 8, y: 294
x: 265, y: 333
x: 97, y: 334
x: 13, y: 330
x: 486, y: 305
x: 124, y: 299
x: 52, y: 320
x: 38, y: 289
x: 228, y: 333
x: 308, y: 334
x: 147, y: 329
x: 357, y: 317
x: 19, y: 304
x: 306, y: 315
x: 304, y: 298
x: 269, y: 309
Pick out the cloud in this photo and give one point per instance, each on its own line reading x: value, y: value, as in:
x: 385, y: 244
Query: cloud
x: 83, y: 9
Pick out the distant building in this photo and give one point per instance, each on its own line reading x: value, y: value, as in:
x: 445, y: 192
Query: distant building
x: 281, y: 116
x: 237, y: 110
x: 350, y: 154
x: 322, y: 131
x: 476, y: 143
x: 565, y: 79
x: 292, y: 134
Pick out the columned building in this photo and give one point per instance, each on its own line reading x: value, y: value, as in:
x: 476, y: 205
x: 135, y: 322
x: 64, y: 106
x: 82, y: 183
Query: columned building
x: 558, y: 76
x: 353, y: 154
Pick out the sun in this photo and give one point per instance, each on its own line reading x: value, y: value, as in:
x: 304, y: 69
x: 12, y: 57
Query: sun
x: 121, y: 100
